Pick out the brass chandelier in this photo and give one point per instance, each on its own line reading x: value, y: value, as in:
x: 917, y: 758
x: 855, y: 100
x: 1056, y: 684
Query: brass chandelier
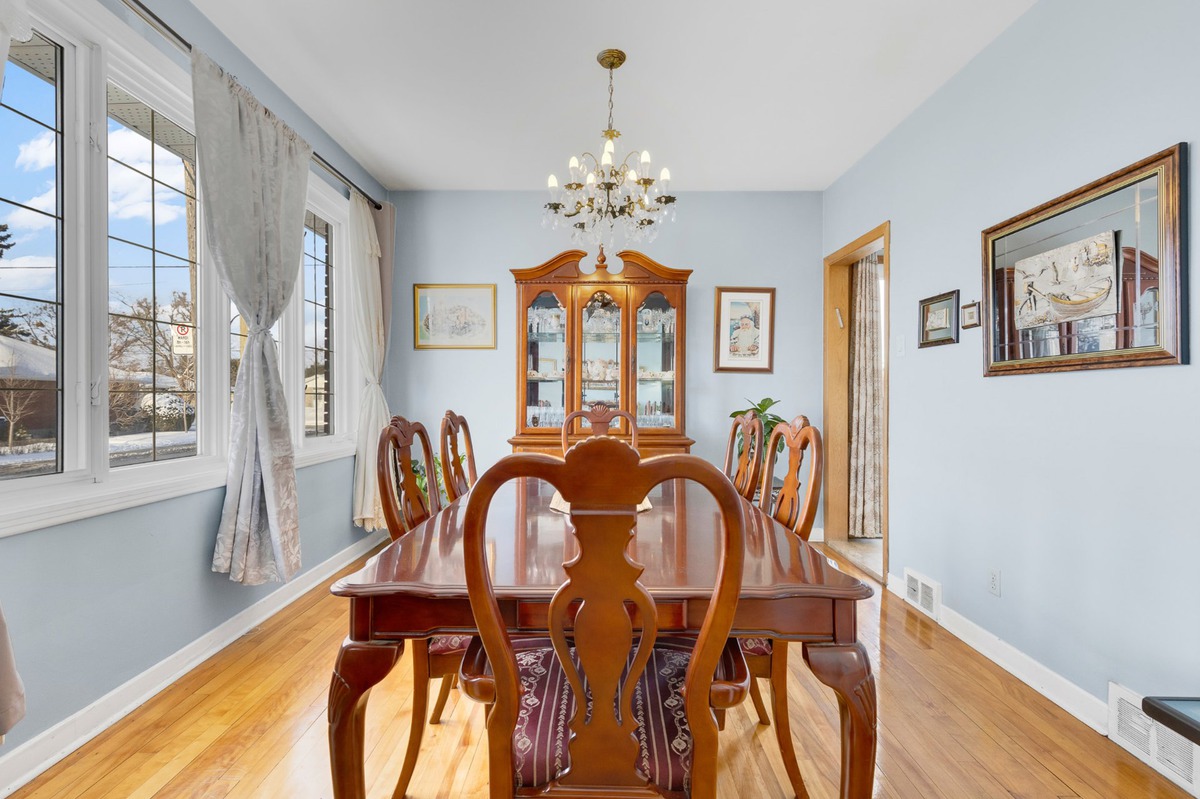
x: 609, y: 193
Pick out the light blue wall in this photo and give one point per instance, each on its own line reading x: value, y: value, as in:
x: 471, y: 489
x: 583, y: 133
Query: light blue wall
x: 94, y: 603
x: 728, y: 239
x: 1097, y: 542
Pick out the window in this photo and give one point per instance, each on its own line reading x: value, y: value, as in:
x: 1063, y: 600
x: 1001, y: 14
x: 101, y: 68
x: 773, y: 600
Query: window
x: 114, y: 372
x: 318, y: 326
x: 152, y: 276
x: 31, y: 220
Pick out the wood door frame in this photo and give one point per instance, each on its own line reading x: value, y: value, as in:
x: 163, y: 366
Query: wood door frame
x: 836, y: 411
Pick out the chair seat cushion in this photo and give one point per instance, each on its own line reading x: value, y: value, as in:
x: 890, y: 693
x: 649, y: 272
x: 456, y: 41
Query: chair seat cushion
x: 542, y: 730
x: 448, y: 644
x: 755, y: 646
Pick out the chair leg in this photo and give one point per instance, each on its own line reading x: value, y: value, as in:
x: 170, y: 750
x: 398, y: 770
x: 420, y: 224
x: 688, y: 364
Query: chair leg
x: 759, y: 706
x: 783, y: 725
x: 420, y: 650
x: 448, y: 681
x: 720, y: 712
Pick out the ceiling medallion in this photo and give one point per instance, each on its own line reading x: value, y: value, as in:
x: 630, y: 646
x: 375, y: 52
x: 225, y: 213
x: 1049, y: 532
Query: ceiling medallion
x: 610, y: 193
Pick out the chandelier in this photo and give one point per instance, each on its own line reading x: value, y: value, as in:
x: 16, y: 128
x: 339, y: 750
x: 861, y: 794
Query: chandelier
x: 611, y: 192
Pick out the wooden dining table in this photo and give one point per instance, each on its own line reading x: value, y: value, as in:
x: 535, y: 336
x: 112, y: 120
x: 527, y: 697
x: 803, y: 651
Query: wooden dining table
x: 416, y: 588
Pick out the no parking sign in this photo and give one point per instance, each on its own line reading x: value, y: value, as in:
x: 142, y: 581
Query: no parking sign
x: 182, y: 340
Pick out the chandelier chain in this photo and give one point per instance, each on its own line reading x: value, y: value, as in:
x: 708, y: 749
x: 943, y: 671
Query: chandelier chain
x: 610, y: 98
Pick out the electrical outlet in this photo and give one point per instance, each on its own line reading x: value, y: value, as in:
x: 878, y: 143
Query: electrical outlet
x: 994, y: 581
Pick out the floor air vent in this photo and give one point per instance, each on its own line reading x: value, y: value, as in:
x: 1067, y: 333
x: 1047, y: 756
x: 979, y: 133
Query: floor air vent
x: 923, y: 593
x: 1164, y: 750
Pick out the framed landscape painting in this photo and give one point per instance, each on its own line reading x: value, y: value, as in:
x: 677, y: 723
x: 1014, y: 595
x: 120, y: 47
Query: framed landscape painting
x: 745, y: 330
x: 454, y: 316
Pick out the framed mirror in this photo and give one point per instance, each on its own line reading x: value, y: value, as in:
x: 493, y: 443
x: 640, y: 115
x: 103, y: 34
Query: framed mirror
x: 1093, y: 279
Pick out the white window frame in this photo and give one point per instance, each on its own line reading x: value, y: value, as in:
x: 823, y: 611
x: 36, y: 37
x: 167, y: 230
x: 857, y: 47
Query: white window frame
x: 332, y: 206
x: 98, y: 47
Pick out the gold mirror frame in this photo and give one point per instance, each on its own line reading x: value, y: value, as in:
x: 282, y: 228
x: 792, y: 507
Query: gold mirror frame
x: 1007, y: 351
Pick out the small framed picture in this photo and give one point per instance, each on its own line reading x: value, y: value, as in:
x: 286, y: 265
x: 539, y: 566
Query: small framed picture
x: 970, y: 315
x: 458, y: 316
x: 744, y: 334
x: 939, y: 320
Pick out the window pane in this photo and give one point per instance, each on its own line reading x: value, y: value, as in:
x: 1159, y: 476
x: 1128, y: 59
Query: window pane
x: 130, y: 427
x: 318, y: 355
x: 174, y: 223
x: 30, y: 225
x: 175, y: 365
x: 31, y: 79
x: 174, y: 284
x: 174, y: 155
x: 130, y: 210
x: 130, y: 277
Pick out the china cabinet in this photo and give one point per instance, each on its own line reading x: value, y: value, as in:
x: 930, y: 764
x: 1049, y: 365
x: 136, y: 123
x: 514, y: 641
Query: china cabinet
x: 601, y: 337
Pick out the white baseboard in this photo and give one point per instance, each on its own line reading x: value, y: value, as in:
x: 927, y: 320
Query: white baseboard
x: 1091, y: 710
x: 41, y: 752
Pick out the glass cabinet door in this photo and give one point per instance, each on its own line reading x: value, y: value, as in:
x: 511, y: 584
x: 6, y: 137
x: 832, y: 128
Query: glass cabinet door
x: 546, y: 362
x: 600, y: 367
x: 655, y: 395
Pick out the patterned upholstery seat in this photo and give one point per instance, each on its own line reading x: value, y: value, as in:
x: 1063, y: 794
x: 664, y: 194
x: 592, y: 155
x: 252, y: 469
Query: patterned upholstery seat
x: 447, y: 644
x: 541, y: 734
x: 755, y: 646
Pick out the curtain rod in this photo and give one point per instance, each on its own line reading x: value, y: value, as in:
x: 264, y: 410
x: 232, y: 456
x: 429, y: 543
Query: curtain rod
x: 169, y: 33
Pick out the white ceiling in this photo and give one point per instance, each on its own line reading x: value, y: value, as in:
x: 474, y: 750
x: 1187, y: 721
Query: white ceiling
x: 468, y: 94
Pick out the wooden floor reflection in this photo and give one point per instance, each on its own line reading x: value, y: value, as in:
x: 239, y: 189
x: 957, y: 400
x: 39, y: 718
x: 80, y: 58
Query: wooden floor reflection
x: 250, y: 722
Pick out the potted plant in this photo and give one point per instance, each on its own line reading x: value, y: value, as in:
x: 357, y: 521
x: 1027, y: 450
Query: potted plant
x: 763, y: 409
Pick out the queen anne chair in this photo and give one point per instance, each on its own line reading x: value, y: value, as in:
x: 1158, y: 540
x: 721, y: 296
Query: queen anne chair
x: 405, y: 506
x: 458, y: 468
x: 767, y: 658
x: 601, y: 418
x: 744, y: 473
x: 645, y: 727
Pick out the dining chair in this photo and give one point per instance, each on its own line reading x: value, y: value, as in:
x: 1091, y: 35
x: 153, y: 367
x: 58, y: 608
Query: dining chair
x: 458, y: 467
x: 744, y: 473
x: 405, y: 506
x: 644, y: 724
x: 766, y: 657
x: 601, y: 418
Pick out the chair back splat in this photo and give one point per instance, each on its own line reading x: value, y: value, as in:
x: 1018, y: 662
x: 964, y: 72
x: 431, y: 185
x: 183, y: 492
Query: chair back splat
x: 405, y: 505
x: 458, y: 466
x: 789, y: 509
x: 749, y: 461
x: 603, y: 634
x: 601, y: 418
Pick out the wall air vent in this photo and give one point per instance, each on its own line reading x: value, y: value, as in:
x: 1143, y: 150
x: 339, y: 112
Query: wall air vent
x: 923, y: 593
x: 1164, y: 750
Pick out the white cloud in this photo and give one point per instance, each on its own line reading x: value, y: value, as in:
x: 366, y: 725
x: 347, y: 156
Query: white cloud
x: 38, y: 153
x: 130, y: 148
x: 129, y: 194
x: 27, y: 274
x: 23, y: 220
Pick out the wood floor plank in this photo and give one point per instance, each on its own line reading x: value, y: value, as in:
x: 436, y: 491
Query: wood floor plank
x: 250, y: 723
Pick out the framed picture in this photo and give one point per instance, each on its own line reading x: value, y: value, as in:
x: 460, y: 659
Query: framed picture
x: 970, y: 315
x: 458, y: 316
x: 744, y: 335
x: 1092, y: 279
x: 939, y: 320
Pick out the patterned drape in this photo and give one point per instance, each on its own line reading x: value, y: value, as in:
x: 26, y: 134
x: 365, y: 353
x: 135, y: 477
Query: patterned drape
x: 866, y: 394
x: 12, y: 692
x: 254, y: 183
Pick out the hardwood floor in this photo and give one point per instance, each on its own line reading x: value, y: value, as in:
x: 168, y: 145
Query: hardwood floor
x: 250, y: 722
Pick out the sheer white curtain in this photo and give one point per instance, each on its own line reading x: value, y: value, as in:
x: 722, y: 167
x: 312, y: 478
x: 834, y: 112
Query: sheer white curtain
x: 371, y: 335
x: 12, y: 692
x: 14, y: 24
x: 253, y: 182
x: 866, y: 392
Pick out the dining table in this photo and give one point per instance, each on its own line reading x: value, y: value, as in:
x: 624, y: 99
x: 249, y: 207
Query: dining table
x: 416, y: 588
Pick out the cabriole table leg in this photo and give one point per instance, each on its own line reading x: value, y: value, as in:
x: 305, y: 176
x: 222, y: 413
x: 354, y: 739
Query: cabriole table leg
x: 846, y: 669
x: 360, y: 666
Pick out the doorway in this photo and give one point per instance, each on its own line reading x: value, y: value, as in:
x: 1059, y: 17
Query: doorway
x: 856, y: 402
